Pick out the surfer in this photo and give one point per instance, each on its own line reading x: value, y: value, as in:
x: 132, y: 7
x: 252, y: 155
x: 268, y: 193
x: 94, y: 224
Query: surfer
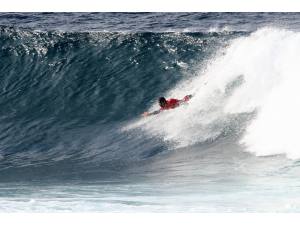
x: 168, y: 104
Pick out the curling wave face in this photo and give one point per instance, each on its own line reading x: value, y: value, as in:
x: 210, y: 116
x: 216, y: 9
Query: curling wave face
x: 71, y: 101
x: 65, y: 95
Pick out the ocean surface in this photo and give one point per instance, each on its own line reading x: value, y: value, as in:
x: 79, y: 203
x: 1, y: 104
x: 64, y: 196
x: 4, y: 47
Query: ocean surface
x: 73, y: 87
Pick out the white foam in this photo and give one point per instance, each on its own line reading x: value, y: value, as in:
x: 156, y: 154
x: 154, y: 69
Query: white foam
x: 268, y: 62
x: 219, y: 29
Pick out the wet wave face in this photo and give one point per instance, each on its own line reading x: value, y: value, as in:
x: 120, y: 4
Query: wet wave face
x: 71, y: 100
x: 73, y: 87
x: 65, y: 96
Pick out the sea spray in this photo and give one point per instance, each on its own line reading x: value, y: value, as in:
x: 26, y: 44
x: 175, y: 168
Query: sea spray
x: 256, y: 74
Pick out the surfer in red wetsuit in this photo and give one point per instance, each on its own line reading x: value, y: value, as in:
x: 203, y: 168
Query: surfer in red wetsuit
x: 168, y: 104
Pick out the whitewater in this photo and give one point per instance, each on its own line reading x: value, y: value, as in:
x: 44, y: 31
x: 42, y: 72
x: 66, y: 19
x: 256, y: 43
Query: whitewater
x: 257, y: 73
x: 72, y: 138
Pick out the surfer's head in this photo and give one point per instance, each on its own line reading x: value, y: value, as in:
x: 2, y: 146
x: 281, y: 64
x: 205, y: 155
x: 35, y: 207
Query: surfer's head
x: 162, y: 102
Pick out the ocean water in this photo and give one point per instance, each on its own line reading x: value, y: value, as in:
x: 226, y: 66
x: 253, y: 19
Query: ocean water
x: 73, y: 87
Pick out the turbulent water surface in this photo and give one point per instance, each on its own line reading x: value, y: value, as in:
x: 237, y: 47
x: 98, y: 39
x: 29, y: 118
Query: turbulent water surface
x: 73, y: 87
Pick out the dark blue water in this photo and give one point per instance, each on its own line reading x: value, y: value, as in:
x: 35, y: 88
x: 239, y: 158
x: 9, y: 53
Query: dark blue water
x: 71, y: 82
x: 148, y: 22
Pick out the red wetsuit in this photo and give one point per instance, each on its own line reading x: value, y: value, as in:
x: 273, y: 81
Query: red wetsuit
x: 173, y: 103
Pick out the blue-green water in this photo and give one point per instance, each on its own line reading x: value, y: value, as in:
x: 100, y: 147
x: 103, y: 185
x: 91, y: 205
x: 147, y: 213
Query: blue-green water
x: 73, y: 87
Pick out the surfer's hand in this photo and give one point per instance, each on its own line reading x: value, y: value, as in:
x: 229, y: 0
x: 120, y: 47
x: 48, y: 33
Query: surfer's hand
x: 187, y: 98
x: 145, y: 114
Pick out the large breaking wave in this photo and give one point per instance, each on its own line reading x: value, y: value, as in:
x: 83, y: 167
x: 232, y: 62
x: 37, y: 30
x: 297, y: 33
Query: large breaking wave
x: 65, y: 95
x: 72, y: 101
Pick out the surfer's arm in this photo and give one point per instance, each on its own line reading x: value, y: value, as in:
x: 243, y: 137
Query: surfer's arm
x: 151, y: 113
x: 185, y: 99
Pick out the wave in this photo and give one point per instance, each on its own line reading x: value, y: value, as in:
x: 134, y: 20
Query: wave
x: 71, y: 101
x: 64, y: 95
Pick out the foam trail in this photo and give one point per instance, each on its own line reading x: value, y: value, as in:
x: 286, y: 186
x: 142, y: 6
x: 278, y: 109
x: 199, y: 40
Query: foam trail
x: 255, y: 73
